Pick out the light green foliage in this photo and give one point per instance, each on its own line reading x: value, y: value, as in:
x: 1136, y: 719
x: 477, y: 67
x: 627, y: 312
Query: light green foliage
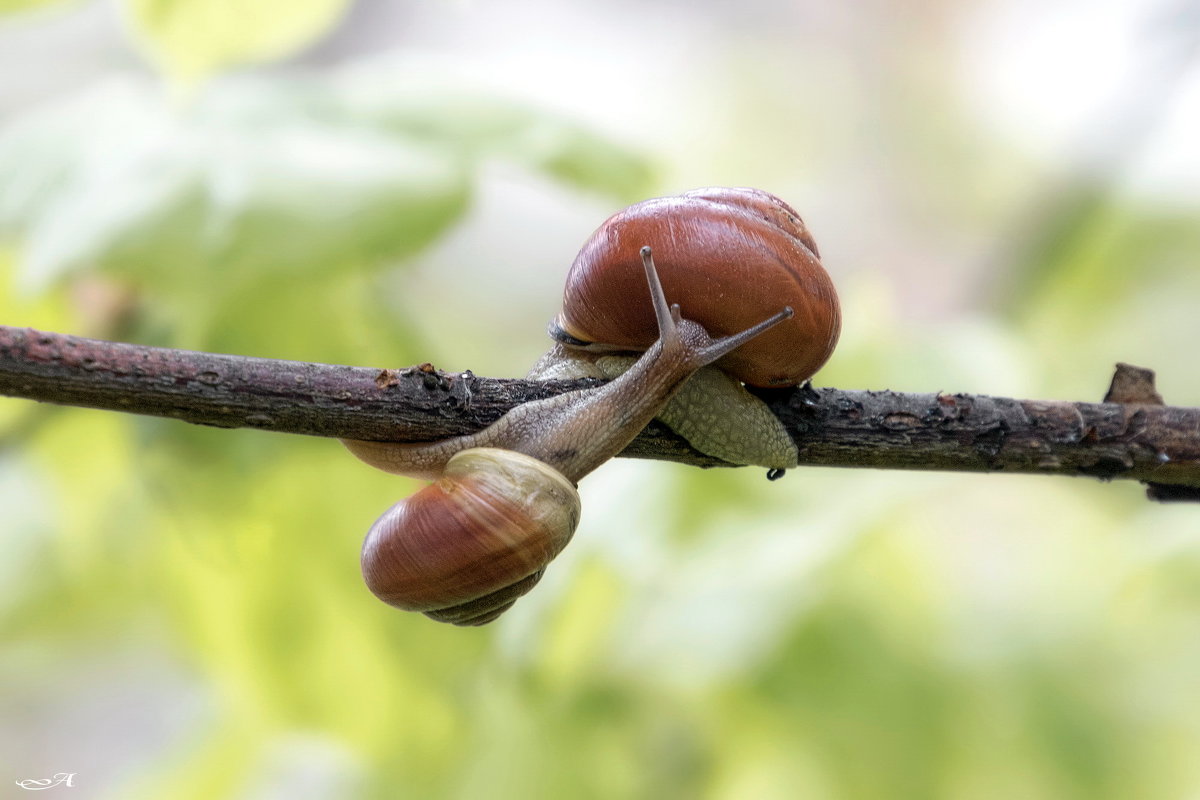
x: 193, y: 39
x: 265, y: 193
x: 246, y: 178
x: 425, y: 108
x: 258, y: 216
x: 18, y: 6
x: 1119, y: 265
x: 181, y: 613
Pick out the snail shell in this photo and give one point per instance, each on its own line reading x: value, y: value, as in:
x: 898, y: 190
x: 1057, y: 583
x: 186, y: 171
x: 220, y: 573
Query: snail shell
x: 464, y: 548
x: 729, y: 257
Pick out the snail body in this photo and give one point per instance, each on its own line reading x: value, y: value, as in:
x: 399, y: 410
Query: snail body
x: 569, y: 435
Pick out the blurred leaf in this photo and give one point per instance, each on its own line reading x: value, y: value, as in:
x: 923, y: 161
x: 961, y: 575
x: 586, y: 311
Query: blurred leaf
x: 1115, y: 252
x: 243, y: 181
x: 18, y: 6
x: 192, y: 39
x: 1060, y: 225
x: 410, y: 101
x: 1121, y: 288
x: 253, y: 178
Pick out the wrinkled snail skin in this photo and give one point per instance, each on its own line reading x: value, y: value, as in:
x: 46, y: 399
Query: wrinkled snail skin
x: 728, y: 256
x: 464, y: 548
x: 712, y: 410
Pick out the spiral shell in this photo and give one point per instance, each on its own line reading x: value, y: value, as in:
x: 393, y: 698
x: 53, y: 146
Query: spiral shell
x: 729, y: 257
x: 464, y: 548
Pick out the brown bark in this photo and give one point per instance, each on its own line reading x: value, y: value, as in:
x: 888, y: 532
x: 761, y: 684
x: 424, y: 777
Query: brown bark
x: 1140, y: 440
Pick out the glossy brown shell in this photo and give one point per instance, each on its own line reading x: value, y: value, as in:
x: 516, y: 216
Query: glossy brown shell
x: 730, y: 258
x: 464, y: 548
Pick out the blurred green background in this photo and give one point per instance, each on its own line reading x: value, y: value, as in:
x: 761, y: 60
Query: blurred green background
x: 1006, y: 194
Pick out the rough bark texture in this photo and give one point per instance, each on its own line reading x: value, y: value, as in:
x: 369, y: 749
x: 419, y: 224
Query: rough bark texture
x: 1140, y: 440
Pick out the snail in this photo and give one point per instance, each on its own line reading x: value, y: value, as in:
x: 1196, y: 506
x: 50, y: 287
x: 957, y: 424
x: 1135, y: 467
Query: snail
x: 728, y: 256
x: 464, y: 548
x: 503, y: 502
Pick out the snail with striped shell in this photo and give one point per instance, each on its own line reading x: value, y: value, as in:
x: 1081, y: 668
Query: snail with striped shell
x: 503, y: 503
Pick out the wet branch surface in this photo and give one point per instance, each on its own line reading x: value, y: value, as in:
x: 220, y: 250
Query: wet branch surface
x: 1133, y: 436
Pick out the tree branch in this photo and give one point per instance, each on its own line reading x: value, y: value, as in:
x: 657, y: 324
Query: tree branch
x: 1141, y: 440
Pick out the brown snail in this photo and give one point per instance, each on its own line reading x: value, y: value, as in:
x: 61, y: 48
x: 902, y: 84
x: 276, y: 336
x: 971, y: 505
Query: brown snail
x: 728, y: 256
x: 463, y: 549
x: 503, y: 503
